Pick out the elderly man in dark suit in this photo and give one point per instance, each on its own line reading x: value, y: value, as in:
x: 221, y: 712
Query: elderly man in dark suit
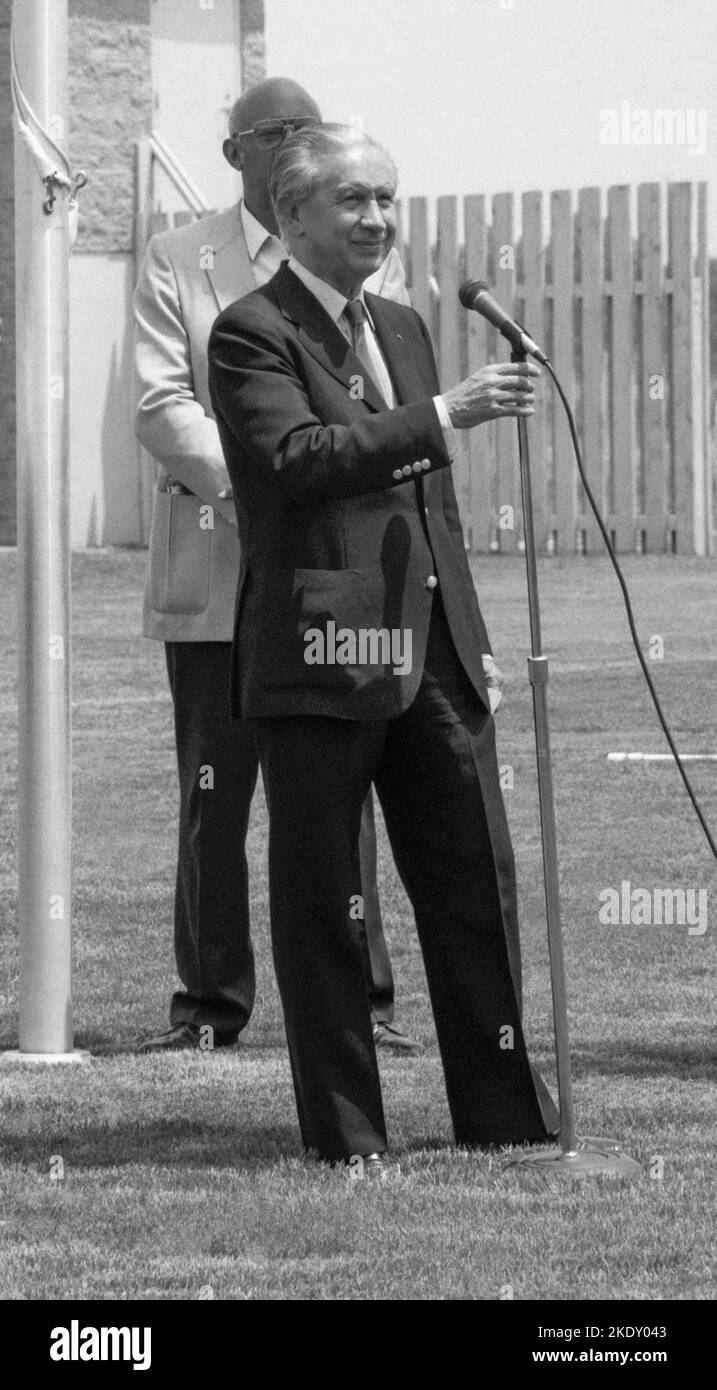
x: 358, y: 655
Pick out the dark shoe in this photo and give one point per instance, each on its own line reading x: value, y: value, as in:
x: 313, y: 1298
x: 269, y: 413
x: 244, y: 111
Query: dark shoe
x: 187, y: 1036
x: 358, y: 1166
x: 362, y: 1166
x: 386, y: 1036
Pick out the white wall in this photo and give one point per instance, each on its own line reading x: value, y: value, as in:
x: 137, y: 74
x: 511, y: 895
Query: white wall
x: 196, y: 78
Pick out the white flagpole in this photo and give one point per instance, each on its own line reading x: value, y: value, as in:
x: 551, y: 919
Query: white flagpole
x: 44, y: 706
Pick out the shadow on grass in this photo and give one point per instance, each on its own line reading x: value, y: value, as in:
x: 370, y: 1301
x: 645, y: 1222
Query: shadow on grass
x: 190, y: 1145
x: 633, y: 1057
x: 102, y: 1044
x: 167, y: 1143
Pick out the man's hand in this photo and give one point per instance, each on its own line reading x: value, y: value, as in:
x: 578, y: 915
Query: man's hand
x: 494, y: 681
x: 501, y: 388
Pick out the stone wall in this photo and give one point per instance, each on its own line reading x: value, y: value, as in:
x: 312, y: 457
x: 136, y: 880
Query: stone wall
x: 110, y: 86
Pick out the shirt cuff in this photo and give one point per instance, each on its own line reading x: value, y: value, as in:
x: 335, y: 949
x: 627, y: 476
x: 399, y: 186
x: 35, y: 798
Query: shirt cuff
x: 444, y: 419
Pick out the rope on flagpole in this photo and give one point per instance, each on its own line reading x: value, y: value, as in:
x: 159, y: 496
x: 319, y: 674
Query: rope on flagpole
x: 54, y: 173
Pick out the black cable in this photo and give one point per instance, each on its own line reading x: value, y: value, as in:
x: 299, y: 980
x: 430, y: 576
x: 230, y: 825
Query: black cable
x: 628, y: 607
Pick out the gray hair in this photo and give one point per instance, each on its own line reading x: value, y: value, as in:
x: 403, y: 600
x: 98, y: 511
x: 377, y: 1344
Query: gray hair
x: 299, y: 166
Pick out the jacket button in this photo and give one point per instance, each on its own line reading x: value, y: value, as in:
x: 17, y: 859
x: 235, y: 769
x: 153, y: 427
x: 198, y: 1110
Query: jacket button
x: 407, y: 470
x: 418, y: 467
x: 431, y: 582
x: 397, y: 474
x: 425, y: 464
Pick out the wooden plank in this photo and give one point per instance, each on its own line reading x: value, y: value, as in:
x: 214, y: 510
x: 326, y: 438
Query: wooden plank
x: 448, y: 312
x: 683, y: 363
x: 653, y: 368
x: 510, y: 525
x: 561, y: 223
x: 702, y: 271
x: 399, y: 239
x: 399, y: 242
x: 698, y: 438
x: 420, y: 268
x: 533, y: 317
x: 480, y: 441
x: 621, y: 368
x: 591, y: 360
x: 451, y: 327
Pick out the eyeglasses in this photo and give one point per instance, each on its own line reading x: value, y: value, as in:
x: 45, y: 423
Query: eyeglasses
x: 269, y: 134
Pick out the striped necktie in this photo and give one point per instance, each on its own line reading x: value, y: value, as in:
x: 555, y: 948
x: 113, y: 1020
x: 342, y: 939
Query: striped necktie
x: 355, y: 314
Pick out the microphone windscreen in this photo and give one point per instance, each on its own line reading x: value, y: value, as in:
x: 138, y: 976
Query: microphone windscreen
x: 469, y: 290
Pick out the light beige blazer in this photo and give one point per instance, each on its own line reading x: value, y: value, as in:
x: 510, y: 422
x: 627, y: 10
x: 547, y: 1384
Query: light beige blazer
x: 188, y: 275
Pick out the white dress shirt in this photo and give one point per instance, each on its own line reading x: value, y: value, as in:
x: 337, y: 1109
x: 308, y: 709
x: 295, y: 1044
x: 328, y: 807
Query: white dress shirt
x: 266, y: 251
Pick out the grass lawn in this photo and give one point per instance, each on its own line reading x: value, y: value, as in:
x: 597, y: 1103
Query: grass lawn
x: 183, y: 1176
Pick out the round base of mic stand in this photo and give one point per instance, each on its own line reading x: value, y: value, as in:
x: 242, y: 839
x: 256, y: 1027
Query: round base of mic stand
x: 590, y: 1156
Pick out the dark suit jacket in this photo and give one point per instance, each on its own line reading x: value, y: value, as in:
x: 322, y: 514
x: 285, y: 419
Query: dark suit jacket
x: 345, y: 508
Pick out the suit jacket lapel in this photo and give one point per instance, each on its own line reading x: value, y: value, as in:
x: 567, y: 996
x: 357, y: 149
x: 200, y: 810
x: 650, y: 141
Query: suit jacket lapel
x: 401, y: 365
x: 321, y: 337
x: 230, y: 275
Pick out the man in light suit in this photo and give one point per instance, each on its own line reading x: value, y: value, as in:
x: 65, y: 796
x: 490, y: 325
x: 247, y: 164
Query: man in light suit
x: 358, y: 655
x: 188, y: 275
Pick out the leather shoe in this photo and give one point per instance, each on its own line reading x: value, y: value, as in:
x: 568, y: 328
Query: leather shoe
x: 182, y: 1037
x: 386, y: 1036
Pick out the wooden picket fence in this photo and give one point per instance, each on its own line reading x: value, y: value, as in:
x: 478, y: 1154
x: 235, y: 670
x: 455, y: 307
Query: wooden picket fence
x: 623, y: 313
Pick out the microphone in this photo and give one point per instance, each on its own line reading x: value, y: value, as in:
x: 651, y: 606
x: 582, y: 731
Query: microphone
x: 475, y: 294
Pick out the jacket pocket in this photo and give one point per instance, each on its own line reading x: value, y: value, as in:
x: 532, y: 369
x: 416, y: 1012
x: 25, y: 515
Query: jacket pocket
x: 342, y: 595
x: 179, y: 555
x: 291, y: 621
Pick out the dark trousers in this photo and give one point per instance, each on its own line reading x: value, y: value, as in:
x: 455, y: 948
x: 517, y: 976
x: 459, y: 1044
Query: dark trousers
x: 218, y: 765
x: 436, y: 773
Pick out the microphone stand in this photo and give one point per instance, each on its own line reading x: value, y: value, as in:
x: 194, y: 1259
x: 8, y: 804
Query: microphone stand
x: 575, y: 1156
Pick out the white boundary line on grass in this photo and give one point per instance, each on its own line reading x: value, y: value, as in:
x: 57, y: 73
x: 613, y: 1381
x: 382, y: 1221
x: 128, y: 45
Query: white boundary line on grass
x: 661, y: 758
